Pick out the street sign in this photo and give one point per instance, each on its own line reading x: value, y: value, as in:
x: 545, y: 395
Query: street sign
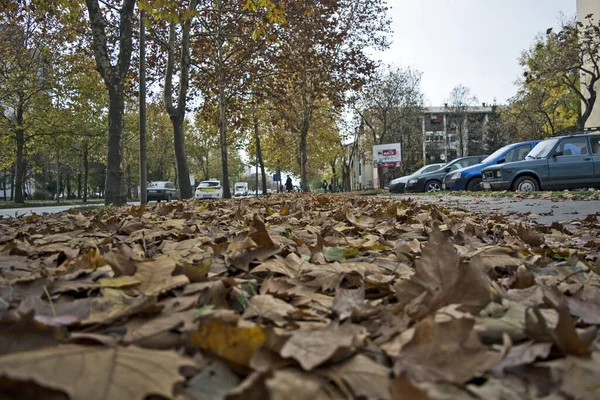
x: 276, y: 177
x: 387, y: 155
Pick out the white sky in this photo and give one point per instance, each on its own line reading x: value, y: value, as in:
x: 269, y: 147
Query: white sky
x: 473, y: 42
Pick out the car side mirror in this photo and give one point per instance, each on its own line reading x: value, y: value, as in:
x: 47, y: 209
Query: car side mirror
x: 447, y: 169
x: 500, y: 161
x: 557, y: 153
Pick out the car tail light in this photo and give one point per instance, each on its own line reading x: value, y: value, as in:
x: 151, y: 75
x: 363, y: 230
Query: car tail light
x: 161, y: 191
x: 217, y: 187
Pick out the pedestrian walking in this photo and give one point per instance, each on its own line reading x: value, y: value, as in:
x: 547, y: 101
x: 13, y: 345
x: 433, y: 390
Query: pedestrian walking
x: 288, y: 184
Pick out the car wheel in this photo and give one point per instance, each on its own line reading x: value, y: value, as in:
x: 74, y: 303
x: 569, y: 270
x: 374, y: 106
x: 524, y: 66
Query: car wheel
x: 526, y: 184
x: 433, y: 186
x: 170, y: 198
x: 474, y: 185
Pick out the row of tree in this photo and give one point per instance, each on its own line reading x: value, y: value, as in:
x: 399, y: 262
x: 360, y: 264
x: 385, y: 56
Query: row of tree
x: 289, y: 82
x: 267, y: 76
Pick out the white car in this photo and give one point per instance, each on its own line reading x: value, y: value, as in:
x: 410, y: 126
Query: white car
x: 210, y: 189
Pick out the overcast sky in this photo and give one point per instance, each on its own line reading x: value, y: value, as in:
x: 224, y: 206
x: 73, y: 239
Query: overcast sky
x: 473, y: 42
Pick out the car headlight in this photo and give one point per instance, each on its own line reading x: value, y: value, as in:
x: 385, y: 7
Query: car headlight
x: 498, y: 174
x: 455, y: 175
x: 412, y: 181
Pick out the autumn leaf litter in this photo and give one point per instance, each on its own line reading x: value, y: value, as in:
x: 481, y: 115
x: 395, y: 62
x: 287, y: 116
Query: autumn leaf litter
x: 297, y: 296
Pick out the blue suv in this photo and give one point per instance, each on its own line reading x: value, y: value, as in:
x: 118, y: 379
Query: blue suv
x: 470, y: 178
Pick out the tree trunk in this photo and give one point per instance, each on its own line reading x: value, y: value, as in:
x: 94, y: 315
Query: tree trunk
x: 12, y: 183
x: 79, y: 185
x: 19, y: 160
x: 303, y: 160
x: 142, y: 72
x: 114, y: 170
x: 183, y: 174
x: 114, y: 78
x: 260, y: 157
x: 58, y: 176
x: 68, y: 185
x: 4, y: 184
x: 223, y: 139
x: 86, y: 169
x: 346, y: 177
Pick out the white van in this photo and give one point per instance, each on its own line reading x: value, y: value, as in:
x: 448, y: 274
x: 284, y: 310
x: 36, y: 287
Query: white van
x: 240, y: 189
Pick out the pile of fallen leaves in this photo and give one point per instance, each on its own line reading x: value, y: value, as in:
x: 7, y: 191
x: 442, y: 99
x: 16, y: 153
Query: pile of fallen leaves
x: 297, y: 297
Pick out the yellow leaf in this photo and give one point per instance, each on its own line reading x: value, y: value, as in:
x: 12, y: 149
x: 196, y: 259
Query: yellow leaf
x: 233, y: 343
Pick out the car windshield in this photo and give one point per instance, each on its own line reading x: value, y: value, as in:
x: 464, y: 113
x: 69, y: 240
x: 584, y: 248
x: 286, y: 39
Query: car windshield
x: 156, y: 184
x: 496, y: 154
x: 427, y: 168
x: 542, y: 149
x: 208, y: 184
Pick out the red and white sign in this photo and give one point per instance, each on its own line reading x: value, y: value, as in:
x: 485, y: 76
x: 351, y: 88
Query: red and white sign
x: 387, y: 155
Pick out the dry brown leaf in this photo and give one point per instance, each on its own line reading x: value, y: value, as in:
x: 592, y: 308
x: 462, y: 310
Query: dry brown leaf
x: 313, y: 348
x: 122, y: 261
x: 525, y: 353
x: 268, y: 307
x: 578, y: 376
x: 365, y: 377
x: 329, y: 276
x: 445, y: 279
x: 25, y: 334
x: 156, y: 276
x: 403, y: 388
x: 289, y: 266
x: 155, y: 326
x: 113, y: 373
x: 291, y: 383
x: 447, y: 351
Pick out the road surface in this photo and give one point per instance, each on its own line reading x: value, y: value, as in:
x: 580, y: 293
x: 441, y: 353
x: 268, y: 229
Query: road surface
x: 535, y: 210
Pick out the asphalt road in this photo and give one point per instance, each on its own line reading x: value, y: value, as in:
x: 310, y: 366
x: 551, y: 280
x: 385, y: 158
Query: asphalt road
x: 534, y: 210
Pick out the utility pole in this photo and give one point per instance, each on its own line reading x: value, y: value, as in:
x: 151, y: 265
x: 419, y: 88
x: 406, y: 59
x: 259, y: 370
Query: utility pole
x: 143, y: 167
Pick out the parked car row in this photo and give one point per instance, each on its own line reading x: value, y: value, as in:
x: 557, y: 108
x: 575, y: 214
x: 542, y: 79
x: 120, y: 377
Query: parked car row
x: 564, y: 162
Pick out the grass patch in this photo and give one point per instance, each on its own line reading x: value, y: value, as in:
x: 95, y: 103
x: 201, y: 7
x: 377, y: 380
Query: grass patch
x: 47, y: 203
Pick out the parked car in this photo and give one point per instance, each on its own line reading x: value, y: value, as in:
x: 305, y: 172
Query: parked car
x: 432, y: 181
x: 470, y: 178
x: 397, y: 185
x: 210, y: 189
x: 565, y: 162
x: 162, y: 190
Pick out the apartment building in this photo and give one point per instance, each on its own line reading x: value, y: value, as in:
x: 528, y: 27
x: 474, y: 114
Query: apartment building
x: 445, y: 131
x: 584, y: 8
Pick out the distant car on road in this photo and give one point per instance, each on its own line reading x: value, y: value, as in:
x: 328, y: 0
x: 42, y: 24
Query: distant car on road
x: 397, y: 185
x: 210, y: 189
x: 162, y: 190
x: 565, y: 162
x: 432, y: 181
x: 470, y: 178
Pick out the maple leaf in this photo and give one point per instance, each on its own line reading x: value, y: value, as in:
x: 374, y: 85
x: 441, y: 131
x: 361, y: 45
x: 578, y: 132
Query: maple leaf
x: 312, y: 348
x: 445, y: 279
x: 114, y: 373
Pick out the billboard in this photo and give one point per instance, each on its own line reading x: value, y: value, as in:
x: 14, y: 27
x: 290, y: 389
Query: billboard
x: 387, y: 155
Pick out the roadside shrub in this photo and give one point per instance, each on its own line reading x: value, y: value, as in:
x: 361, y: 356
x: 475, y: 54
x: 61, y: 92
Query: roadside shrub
x: 41, y: 194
